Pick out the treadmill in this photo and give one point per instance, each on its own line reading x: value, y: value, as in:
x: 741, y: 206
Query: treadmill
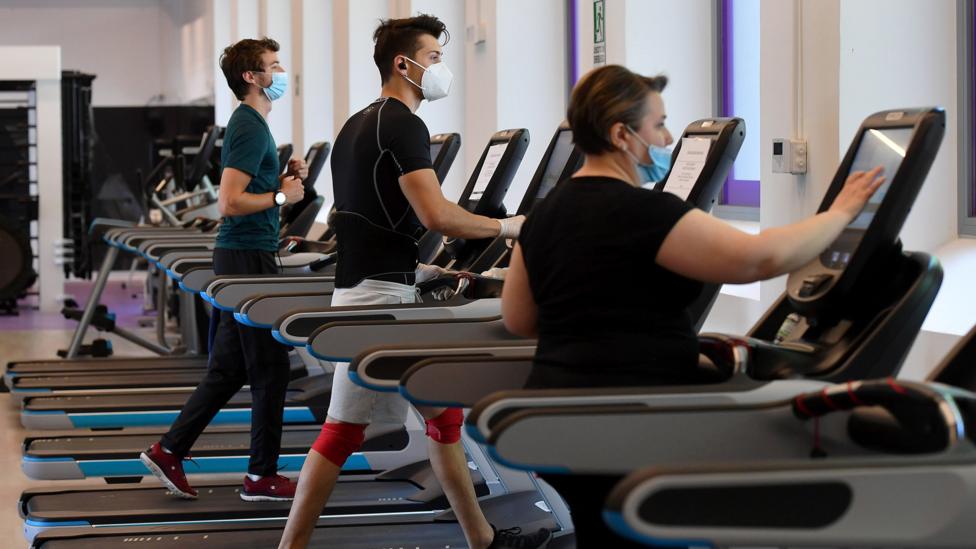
x: 563, y: 161
x: 433, y: 530
x: 307, y: 398
x: 920, y: 438
x: 482, y: 196
x: 859, y: 315
x: 60, y: 377
x: 130, y: 240
x: 44, y: 509
x: 831, y: 344
x: 383, y: 351
x: 198, y: 178
x: 115, y: 455
x: 199, y: 278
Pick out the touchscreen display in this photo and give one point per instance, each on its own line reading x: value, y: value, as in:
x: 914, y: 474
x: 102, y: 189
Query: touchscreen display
x: 879, y: 147
x: 556, y: 165
x: 492, y: 159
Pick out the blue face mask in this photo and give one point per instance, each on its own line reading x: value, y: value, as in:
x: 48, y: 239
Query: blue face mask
x: 279, y: 83
x: 660, y: 162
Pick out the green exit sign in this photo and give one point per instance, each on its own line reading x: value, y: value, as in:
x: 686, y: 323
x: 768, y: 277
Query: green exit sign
x: 599, y: 22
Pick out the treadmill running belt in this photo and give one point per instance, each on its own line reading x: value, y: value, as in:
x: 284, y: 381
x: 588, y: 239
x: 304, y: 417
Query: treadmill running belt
x: 228, y: 443
x: 128, y: 403
x: 216, y: 503
x: 139, y: 380
x: 424, y: 530
x: 96, y: 365
x: 415, y: 536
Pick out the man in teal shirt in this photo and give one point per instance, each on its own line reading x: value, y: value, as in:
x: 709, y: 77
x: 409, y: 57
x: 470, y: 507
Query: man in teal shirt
x: 251, y: 192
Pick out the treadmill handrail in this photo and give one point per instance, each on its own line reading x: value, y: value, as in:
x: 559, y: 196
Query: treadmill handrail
x: 754, y: 423
x: 854, y: 520
x: 232, y: 297
x: 371, y: 369
x: 457, y: 307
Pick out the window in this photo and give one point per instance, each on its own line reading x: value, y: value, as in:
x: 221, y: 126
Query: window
x: 967, y: 118
x: 739, y: 78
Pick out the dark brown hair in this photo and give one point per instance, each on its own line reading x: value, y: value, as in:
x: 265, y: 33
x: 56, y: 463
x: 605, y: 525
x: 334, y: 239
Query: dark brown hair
x: 604, y: 97
x: 400, y: 37
x: 242, y: 57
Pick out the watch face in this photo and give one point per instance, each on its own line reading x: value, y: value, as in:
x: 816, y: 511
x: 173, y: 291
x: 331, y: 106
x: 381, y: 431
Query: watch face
x: 280, y: 198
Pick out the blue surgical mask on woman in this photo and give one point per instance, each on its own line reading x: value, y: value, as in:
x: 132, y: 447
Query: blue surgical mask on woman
x: 660, y: 161
x: 279, y: 83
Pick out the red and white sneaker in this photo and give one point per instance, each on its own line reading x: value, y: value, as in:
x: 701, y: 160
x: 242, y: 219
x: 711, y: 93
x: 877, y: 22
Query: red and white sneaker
x: 168, y: 468
x: 276, y: 488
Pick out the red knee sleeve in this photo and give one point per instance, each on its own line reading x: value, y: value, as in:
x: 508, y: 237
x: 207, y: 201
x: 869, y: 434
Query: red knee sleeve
x: 446, y: 428
x: 338, y: 441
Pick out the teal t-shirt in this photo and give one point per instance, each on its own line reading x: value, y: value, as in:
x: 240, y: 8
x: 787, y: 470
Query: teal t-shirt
x: 249, y: 147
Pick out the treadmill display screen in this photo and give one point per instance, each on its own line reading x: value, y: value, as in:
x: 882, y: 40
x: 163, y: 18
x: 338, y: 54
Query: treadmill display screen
x: 557, y: 164
x: 492, y: 159
x: 879, y: 147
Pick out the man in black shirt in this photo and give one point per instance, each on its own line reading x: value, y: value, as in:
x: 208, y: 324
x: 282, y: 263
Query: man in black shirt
x: 386, y: 194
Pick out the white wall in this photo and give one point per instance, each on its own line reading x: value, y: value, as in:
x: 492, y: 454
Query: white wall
x: 681, y: 46
x: 786, y: 198
x: 223, y: 35
x: 659, y: 36
x: 360, y: 78
x: 480, y: 98
x: 447, y: 115
x: 246, y: 19
x: 141, y: 50
x: 531, y: 78
x: 186, y: 46
x: 316, y: 98
x: 893, y: 58
x: 276, y: 23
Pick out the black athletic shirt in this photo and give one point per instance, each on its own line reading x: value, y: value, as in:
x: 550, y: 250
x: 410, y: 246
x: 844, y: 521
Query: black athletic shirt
x: 375, y: 147
x: 606, y: 308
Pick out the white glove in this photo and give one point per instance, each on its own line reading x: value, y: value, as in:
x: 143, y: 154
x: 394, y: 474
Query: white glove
x: 497, y: 273
x: 511, y: 226
x: 427, y: 272
x: 446, y: 293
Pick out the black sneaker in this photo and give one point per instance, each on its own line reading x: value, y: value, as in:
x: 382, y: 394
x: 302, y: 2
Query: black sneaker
x: 513, y: 538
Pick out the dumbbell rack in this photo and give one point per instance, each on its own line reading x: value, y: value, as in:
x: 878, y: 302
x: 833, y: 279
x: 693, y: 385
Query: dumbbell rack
x: 77, y: 180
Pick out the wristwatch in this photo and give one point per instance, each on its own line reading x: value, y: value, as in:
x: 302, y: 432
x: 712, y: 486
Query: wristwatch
x: 280, y: 198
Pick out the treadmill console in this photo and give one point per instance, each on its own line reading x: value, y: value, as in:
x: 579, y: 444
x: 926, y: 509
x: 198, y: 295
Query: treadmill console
x: 699, y: 182
x: 559, y: 162
x: 484, y: 194
x: 879, y: 147
x: 443, y: 149
x: 485, y: 191
x: 905, y: 143
x: 557, y: 165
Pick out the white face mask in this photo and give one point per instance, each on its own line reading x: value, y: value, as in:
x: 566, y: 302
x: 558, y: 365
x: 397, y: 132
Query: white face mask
x: 436, y: 82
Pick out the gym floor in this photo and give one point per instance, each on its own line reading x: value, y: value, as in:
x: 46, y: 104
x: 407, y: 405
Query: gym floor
x: 27, y: 344
x: 32, y: 335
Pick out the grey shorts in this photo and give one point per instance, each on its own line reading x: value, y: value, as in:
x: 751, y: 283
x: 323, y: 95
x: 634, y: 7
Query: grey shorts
x: 352, y: 403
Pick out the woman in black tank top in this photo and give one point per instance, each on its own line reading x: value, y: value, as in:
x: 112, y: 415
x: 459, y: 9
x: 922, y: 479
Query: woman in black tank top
x: 604, y: 270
